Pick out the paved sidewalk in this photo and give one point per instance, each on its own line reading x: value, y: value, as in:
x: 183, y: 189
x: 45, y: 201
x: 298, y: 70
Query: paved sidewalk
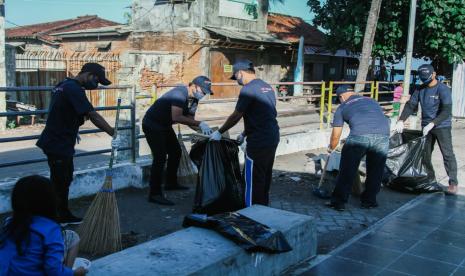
x: 423, y: 238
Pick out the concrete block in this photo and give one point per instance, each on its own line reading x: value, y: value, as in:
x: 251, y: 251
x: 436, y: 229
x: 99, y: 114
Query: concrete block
x: 86, y: 182
x: 196, y: 251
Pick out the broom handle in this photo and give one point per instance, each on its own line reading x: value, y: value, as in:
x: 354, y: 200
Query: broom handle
x: 113, y: 150
x: 323, y: 173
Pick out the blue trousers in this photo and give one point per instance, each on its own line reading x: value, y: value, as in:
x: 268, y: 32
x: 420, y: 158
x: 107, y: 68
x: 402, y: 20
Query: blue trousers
x: 375, y: 148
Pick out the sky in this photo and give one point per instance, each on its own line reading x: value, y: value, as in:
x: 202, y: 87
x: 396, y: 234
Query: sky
x: 25, y: 12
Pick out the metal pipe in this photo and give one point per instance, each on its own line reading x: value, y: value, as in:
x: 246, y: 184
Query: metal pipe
x: 235, y: 84
x: 322, y: 104
x: 38, y: 160
x: 330, y: 102
x: 50, y: 88
x: 133, y: 124
x: 34, y: 137
x: 43, y: 111
x: 408, y: 59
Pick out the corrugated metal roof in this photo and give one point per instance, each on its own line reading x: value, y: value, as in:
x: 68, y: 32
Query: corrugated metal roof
x: 107, y: 30
x: 247, y: 36
x: 313, y: 50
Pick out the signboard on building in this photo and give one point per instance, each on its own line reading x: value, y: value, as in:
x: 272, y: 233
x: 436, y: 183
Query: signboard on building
x: 227, y: 68
x: 239, y: 9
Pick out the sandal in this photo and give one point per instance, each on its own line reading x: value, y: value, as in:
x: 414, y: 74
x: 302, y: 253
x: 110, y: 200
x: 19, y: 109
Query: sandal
x: 451, y: 192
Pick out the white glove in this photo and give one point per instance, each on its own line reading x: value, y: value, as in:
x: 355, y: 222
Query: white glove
x: 428, y: 128
x: 399, y: 128
x: 206, y: 130
x: 240, y: 139
x: 116, y: 142
x: 243, y: 147
x: 215, y: 136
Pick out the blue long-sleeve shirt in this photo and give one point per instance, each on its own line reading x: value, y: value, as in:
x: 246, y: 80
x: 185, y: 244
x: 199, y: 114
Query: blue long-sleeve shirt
x: 43, y: 255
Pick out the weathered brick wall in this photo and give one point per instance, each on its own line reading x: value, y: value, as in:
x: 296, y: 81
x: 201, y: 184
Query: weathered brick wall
x: 177, y: 42
x: 118, y: 44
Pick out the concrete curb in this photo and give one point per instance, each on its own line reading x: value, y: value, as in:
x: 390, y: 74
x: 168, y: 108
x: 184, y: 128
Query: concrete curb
x: 88, y: 182
x: 197, y: 251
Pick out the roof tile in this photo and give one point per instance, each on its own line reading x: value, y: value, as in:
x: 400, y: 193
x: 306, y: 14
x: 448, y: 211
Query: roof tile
x: 290, y: 28
x: 45, y: 30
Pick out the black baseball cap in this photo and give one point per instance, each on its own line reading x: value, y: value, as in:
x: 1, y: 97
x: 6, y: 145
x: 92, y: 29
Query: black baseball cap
x: 242, y: 64
x: 97, y: 70
x: 425, y: 71
x: 204, y: 83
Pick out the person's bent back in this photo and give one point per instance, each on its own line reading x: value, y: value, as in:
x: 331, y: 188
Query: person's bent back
x: 31, y: 241
x: 369, y: 136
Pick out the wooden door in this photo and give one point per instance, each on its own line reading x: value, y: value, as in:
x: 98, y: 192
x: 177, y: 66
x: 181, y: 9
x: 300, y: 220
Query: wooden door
x: 218, y: 60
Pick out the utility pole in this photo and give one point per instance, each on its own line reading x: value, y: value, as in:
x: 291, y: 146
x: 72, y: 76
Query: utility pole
x: 2, y: 64
x: 408, y: 58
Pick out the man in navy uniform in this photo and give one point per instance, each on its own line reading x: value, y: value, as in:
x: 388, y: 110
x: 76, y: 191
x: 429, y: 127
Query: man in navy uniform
x: 435, y: 99
x: 369, y: 136
x: 257, y: 105
x: 68, y: 110
x: 177, y: 106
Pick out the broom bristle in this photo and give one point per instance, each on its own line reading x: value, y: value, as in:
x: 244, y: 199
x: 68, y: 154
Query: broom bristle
x: 100, y: 231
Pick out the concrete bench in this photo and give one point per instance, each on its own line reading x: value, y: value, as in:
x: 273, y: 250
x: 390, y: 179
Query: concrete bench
x: 203, y: 252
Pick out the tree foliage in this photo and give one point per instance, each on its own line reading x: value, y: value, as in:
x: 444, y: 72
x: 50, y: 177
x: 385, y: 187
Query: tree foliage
x: 439, y: 30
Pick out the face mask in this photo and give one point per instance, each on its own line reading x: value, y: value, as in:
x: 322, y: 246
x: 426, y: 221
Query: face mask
x: 428, y: 80
x: 91, y: 84
x: 240, y: 80
x: 198, y: 95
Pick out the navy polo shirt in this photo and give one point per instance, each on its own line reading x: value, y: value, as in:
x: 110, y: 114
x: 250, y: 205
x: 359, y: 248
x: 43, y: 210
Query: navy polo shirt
x: 431, y: 99
x: 364, y: 116
x: 158, y: 116
x: 68, y: 108
x: 257, y: 102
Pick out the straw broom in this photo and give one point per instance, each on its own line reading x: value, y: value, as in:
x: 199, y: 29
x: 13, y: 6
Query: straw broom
x: 187, y: 171
x: 100, y: 231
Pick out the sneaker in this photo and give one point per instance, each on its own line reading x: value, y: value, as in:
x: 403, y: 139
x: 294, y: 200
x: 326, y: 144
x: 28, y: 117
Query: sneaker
x: 160, y: 199
x: 176, y: 188
x: 69, y: 219
x: 366, y: 205
x: 336, y: 206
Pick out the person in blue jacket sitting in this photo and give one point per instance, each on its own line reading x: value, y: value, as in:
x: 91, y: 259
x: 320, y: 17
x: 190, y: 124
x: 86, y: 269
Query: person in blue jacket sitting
x: 31, y: 241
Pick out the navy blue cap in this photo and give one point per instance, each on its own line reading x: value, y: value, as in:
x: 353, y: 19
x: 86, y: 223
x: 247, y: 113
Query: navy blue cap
x: 242, y: 64
x: 425, y: 71
x: 204, y: 83
x: 343, y: 89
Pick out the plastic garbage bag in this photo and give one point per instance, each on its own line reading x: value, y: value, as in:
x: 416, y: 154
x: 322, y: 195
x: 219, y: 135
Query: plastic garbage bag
x: 405, y: 170
x: 219, y: 183
x: 245, y: 232
x: 187, y: 171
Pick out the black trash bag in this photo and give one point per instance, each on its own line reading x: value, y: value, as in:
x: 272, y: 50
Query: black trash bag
x: 405, y: 170
x: 219, y: 183
x: 245, y: 232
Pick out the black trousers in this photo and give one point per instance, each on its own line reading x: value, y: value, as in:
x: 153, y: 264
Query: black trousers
x: 163, y: 144
x: 444, y: 138
x: 61, y: 175
x: 258, y: 171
